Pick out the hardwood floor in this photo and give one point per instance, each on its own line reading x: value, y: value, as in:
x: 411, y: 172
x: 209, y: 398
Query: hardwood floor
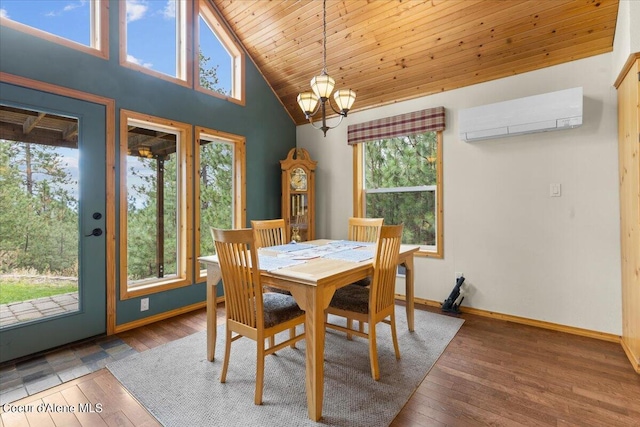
x: 493, y: 373
x: 501, y: 373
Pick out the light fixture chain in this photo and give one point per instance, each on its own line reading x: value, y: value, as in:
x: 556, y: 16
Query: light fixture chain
x: 322, y: 87
x: 324, y: 36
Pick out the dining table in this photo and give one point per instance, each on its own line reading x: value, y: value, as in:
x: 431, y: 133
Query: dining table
x: 312, y: 283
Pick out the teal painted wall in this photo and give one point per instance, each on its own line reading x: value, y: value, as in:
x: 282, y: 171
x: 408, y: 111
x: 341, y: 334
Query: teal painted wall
x: 268, y: 129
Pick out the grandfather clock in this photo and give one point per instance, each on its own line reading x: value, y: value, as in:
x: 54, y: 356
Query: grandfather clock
x: 298, y: 195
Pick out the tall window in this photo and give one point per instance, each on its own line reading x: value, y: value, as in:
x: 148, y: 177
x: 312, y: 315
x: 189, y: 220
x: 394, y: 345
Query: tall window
x: 78, y: 24
x: 219, y: 186
x: 220, y: 59
x: 155, y: 219
x: 155, y: 38
x: 399, y: 175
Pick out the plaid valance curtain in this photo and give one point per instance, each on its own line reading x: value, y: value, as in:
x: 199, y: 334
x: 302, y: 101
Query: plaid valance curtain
x: 430, y: 120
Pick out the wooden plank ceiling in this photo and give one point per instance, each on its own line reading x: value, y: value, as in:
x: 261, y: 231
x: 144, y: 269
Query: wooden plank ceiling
x: 393, y: 50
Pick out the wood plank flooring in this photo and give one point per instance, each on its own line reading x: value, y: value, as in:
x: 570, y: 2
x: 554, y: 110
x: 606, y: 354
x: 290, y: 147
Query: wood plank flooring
x: 493, y: 373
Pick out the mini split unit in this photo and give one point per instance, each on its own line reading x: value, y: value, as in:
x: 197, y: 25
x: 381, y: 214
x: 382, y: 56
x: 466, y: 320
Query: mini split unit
x: 538, y: 113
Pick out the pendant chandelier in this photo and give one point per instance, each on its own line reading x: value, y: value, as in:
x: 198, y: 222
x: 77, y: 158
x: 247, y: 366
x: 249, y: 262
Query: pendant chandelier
x: 321, y: 87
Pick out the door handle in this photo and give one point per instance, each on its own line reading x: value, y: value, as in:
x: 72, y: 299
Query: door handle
x: 96, y: 232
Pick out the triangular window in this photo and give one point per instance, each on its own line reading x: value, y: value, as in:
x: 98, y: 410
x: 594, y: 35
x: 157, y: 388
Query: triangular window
x: 220, y: 58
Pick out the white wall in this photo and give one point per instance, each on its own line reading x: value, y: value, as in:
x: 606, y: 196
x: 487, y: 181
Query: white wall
x: 627, y: 36
x: 522, y: 252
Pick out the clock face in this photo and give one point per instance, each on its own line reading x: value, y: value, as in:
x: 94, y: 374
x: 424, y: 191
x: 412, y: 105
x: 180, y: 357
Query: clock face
x: 298, y: 180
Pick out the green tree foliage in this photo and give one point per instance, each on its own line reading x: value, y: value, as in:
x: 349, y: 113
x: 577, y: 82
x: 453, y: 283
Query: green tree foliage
x: 216, y: 172
x: 216, y: 204
x: 143, y: 221
x: 408, y: 161
x: 216, y: 200
x: 209, y: 76
x: 39, y: 215
x: 216, y: 190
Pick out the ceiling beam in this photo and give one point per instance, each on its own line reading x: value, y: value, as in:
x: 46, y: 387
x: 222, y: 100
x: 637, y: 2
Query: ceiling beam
x: 31, y: 123
x: 13, y: 132
x: 70, y: 132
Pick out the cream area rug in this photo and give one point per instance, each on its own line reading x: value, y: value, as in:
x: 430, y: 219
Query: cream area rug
x: 180, y: 387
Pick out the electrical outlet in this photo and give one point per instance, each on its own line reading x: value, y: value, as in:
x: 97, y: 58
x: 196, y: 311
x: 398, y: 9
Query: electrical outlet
x: 459, y: 274
x: 144, y: 304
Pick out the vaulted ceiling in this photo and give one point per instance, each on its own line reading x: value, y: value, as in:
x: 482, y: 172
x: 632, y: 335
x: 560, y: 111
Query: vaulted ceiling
x: 393, y: 50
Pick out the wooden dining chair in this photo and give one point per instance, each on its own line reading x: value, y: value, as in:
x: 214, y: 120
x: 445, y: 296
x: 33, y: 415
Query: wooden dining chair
x: 249, y: 312
x: 269, y: 232
x: 364, y: 229
x: 376, y: 303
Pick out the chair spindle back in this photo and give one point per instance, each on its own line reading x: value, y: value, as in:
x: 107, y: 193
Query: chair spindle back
x: 238, y: 259
x: 364, y: 229
x: 270, y: 232
x: 385, y: 266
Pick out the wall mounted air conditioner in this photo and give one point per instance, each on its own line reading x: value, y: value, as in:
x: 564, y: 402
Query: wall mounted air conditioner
x: 538, y: 113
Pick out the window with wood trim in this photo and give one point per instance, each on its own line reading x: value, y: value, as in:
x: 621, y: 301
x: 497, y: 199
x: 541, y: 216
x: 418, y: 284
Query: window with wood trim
x: 155, y: 218
x: 220, y: 191
x: 81, y: 25
x: 155, y: 38
x: 398, y: 176
x: 220, y: 59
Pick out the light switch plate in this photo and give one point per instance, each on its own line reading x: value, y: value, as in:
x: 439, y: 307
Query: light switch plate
x: 555, y: 190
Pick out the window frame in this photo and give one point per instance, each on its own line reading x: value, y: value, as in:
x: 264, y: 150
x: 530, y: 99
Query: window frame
x: 99, y: 27
x: 239, y: 188
x: 227, y: 39
x: 184, y: 275
x: 184, y: 53
x: 359, y: 194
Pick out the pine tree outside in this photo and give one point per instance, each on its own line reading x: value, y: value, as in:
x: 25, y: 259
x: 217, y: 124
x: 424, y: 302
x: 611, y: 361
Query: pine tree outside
x: 38, y: 221
x: 401, y: 184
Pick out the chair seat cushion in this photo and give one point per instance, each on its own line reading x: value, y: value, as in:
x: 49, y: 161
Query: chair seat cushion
x: 279, y: 308
x: 351, y: 298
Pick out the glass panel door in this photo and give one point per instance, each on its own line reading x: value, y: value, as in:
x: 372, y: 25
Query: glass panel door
x: 52, y: 242
x: 39, y: 218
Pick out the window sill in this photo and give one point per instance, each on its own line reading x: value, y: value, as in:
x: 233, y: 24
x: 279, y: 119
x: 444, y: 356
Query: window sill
x: 153, y: 287
x: 429, y: 254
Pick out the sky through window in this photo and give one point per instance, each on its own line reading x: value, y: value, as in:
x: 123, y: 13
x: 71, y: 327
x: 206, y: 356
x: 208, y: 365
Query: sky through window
x: 152, y: 29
